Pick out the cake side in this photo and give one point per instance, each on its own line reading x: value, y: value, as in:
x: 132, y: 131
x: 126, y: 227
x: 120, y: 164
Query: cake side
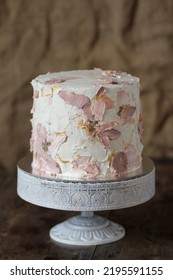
x: 86, y: 124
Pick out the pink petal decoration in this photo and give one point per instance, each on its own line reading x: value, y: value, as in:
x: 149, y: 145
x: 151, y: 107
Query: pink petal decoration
x: 44, y: 160
x: 104, y: 140
x: 106, y: 81
x: 78, y: 100
x: 79, y: 173
x: 126, y: 113
x: 92, y: 171
x: 58, y: 80
x: 50, y: 165
x: 100, y: 103
x: 110, y: 73
x: 126, y: 83
x: 98, y: 110
x: 41, y: 133
x: 113, y: 73
x: 107, y: 126
x: 105, y: 137
x: 108, y: 131
x: 112, y: 133
x: 119, y: 164
x: 88, y: 111
x: 133, y: 159
x: 123, y: 98
x: 101, y: 91
x: 101, y: 96
x: 84, y: 166
x: 109, y: 103
x: 81, y: 161
x: 56, y: 140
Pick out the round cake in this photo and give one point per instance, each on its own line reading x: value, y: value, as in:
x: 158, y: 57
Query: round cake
x: 86, y: 124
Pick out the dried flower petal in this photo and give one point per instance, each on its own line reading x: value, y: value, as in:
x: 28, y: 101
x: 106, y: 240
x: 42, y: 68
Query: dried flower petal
x: 83, y: 165
x: 98, y: 110
x: 88, y: 111
x: 113, y: 73
x: 133, y: 160
x: 119, y: 164
x: 106, y: 81
x: 58, y: 80
x: 107, y: 126
x: 78, y: 100
x: 55, y: 140
x: 123, y: 98
x: 107, y: 131
x: 101, y: 96
x: 126, y: 113
x: 44, y: 160
x: 81, y: 161
x: 92, y: 170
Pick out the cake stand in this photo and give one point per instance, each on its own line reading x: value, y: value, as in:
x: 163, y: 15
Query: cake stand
x: 86, y: 196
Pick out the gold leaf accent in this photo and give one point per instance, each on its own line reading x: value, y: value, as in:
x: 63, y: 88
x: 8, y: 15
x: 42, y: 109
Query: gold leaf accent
x: 123, y: 107
x: 111, y: 156
x: 60, y: 132
x: 63, y: 160
x: 86, y: 126
x: 106, y: 99
x: 53, y: 88
x: 47, y: 94
x: 78, y: 155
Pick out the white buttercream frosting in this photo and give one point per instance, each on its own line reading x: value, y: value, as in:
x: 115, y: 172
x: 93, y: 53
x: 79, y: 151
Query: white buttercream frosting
x: 86, y: 124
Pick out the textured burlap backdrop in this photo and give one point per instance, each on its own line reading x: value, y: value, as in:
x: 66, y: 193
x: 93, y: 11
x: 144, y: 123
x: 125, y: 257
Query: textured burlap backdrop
x: 37, y: 36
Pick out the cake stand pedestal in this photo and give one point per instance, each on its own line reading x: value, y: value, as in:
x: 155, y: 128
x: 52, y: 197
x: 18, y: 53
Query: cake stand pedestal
x: 86, y: 196
x: 87, y: 229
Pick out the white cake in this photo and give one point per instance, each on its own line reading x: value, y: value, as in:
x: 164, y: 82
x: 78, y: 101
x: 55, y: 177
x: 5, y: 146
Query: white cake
x: 86, y: 124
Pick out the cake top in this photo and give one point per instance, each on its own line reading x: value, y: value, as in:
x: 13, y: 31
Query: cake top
x: 83, y: 79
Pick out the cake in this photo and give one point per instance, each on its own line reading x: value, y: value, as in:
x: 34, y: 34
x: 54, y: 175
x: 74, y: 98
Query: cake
x: 86, y: 124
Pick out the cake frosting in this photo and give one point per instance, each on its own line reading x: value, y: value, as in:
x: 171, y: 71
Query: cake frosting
x: 86, y: 124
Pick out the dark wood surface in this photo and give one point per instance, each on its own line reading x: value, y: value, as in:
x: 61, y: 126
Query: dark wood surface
x: 24, y: 228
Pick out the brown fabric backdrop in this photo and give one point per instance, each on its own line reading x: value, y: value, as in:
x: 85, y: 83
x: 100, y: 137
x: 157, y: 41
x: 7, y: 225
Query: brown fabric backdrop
x: 40, y: 36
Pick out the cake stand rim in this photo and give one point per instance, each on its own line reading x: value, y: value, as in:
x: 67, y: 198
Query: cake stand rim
x: 129, y: 176
x: 86, y: 196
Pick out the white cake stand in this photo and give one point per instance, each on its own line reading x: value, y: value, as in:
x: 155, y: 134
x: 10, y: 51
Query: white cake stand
x: 86, y: 196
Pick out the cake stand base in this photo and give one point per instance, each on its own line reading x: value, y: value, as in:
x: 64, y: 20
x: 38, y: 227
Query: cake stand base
x: 86, y: 196
x: 87, y: 229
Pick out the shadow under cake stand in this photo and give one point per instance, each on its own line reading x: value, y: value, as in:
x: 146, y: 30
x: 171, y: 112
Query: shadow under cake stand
x: 87, y: 197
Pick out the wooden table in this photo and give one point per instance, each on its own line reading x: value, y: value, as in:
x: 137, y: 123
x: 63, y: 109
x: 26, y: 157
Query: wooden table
x: 24, y: 228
